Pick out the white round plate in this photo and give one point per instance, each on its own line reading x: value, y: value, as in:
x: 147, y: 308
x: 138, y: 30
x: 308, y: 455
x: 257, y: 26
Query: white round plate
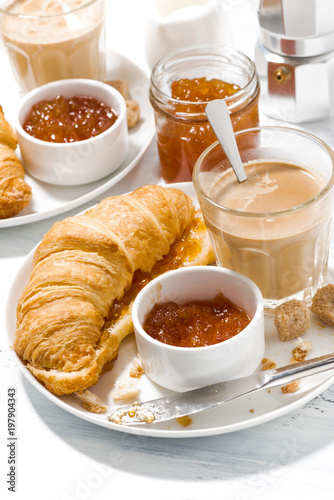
x: 49, y: 200
x: 240, y: 414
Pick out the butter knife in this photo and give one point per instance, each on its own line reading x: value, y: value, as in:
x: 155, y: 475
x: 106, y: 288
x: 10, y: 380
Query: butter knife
x: 197, y: 400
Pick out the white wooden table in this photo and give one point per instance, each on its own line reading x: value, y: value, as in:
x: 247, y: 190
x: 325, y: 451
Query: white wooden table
x: 61, y: 457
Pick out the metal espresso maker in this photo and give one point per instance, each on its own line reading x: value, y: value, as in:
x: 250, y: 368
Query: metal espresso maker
x: 295, y: 55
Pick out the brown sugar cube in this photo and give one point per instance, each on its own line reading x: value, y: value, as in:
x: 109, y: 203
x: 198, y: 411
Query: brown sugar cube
x: 323, y: 304
x: 121, y: 85
x: 292, y: 319
x: 132, y: 112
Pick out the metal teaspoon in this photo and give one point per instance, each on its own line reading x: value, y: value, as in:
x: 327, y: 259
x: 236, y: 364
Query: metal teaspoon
x: 219, y: 118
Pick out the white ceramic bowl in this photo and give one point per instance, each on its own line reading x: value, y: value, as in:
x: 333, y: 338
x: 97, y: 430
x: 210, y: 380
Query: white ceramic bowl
x: 182, y: 368
x: 79, y: 162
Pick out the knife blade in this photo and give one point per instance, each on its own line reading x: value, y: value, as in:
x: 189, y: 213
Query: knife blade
x: 197, y: 400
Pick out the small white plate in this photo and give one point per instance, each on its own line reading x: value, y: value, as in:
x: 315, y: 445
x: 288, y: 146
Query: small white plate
x: 49, y: 200
x: 236, y: 415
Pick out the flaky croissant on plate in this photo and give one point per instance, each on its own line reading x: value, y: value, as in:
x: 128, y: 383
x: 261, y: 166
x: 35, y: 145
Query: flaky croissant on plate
x: 15, y: 193
x: 76, y: 308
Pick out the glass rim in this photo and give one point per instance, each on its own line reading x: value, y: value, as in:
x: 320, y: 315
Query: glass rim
x: 203, y: 50
x: 258, y: 215
x: 47, y: 16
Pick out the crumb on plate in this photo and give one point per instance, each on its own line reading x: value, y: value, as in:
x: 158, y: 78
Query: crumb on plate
x: 268, y: 364
x: 136, y: 370
x: 91, y: 401
x: 292, y: 387
x: 126, y: 388
x: 301, y: 350
x: 184, y: 421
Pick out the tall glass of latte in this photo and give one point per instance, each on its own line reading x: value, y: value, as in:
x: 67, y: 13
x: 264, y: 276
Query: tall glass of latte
x: 275, y: 226
x: 51, y: 40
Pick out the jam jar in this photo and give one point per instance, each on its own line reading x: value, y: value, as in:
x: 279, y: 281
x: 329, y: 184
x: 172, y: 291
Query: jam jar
x: 182, y: 129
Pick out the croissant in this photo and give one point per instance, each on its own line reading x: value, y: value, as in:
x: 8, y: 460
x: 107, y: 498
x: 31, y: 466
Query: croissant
x: 15, y: 193
x: 83, y: 266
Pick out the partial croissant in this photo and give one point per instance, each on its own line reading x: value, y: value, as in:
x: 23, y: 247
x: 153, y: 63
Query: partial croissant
x: 15, y: 193
x: 80, y: 268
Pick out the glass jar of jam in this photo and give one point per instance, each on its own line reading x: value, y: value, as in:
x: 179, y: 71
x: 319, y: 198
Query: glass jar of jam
x: 182, y: 83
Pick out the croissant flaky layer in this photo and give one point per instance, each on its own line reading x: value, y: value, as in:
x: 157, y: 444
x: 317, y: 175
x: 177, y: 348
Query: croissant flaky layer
x: 82, y: 266
x: 15, y: 193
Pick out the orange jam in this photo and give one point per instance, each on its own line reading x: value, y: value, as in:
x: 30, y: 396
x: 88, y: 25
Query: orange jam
x: 197, y: 323
x: 184, y: 250
x: 69, y: 120
x: 183, y: 131
x: 201, y: 89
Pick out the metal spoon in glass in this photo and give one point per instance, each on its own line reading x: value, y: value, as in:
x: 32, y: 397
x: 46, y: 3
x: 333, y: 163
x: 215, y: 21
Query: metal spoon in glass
x: 219, y: 118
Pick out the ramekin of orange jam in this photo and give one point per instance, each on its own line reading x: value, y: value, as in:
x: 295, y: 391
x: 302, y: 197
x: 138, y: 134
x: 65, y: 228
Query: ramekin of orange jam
x: 182, y: 83
x: 198, y: 325
x: 70, y: 119
x: 73, y: 131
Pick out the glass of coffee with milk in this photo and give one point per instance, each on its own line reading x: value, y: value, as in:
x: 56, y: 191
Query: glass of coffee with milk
x: 275, y: 226
x: 51, y: 40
